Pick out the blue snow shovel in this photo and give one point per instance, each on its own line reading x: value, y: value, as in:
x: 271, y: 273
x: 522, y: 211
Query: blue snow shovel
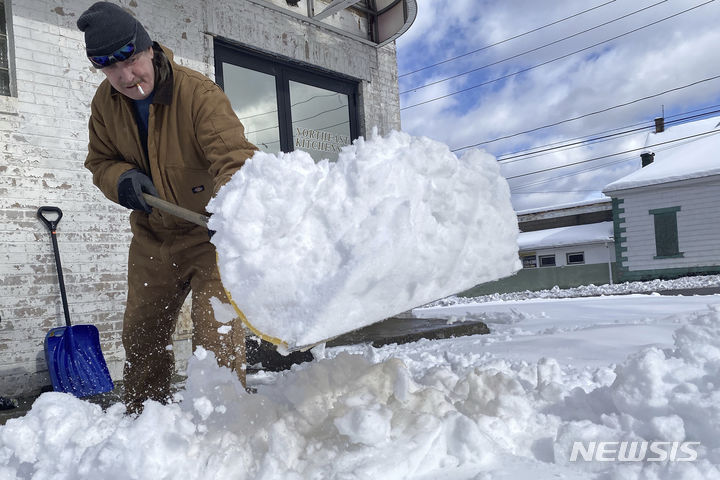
x: 73, y: 354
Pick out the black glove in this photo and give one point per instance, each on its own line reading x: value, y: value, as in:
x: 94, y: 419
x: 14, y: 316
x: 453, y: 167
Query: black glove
x: 131, y: 185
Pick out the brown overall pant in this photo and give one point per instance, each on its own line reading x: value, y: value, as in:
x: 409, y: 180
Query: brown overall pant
x: 164, y: 265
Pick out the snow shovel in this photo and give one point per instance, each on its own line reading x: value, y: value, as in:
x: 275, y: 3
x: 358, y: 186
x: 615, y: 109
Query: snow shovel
x: 74, y: 358
x: 202, y: 220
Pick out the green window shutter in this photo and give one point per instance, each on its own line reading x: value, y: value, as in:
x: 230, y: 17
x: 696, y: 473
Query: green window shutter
x: 666, y: 232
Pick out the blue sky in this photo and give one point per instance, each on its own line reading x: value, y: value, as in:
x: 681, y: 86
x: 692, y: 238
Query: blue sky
x: 518, y: 66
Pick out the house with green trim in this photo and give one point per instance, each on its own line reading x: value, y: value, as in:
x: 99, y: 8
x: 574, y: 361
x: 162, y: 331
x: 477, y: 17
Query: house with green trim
x: 665, y: 217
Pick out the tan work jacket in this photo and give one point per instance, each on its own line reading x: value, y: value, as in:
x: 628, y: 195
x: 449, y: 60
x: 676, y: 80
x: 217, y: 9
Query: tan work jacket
x: 195, y: 140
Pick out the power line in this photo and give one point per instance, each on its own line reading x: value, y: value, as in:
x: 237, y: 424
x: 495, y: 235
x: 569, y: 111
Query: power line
x: 554, y: 191
x: 533, y: 154
x: 572, y: 174
x: 504, y: 41
x: 545, y: 149
x: 605, y: 165
x: 711, y: 132
x: 532, y: 50
x: 589, y: 114
x: 554, y: 59
x: 693, y: 111
x: 561, y: 143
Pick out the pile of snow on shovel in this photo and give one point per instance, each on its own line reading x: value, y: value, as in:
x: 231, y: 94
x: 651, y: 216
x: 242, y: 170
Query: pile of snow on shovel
x: 311, y: 250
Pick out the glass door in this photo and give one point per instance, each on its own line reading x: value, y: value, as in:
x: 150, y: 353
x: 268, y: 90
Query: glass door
x: 320, y: 120
x: 287, y: 106
x: 254, y: 100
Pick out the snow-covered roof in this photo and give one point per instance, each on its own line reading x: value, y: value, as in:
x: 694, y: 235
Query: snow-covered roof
x: 565, y: 206
x: 565, y: 236
x: 686, y: 159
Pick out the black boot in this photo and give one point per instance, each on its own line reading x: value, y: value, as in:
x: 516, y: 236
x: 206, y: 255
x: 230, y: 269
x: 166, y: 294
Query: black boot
x: 7, y: 403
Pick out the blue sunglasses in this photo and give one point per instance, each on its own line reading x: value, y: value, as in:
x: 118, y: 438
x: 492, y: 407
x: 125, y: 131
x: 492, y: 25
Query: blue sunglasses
x: 120, y: 55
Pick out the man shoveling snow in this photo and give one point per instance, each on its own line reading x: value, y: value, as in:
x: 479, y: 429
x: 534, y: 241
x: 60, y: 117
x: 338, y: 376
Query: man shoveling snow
x: 397, y: 221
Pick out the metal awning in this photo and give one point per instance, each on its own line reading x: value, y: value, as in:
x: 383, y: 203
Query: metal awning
x: 387, y: 19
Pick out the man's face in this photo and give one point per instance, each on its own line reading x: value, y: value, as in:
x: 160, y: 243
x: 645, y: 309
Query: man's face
x: 127, y: 75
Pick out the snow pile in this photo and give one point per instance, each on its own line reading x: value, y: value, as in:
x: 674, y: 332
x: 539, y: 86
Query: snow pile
x: 309, y: 251
x: 341, y: 418
x: 421, y: 411
x: 649, y: 286
x: 668, y: 396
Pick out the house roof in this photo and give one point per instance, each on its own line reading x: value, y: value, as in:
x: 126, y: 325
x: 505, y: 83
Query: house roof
x: 693, y: 157
x: 567, y: 208
x: 566, y: 236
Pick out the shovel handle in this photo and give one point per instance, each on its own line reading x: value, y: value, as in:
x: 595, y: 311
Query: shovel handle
x: 51, y: 223
x: 184, y: 213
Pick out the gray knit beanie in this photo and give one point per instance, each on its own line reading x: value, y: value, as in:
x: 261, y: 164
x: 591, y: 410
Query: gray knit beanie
x: 108, y: 27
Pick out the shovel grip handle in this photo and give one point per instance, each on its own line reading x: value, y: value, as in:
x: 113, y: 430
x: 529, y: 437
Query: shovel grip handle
x: 184, y: 213
x: 51, y: 223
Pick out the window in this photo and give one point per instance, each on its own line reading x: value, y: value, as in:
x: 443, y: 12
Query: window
x: 547, y: 260
x: 259, y: 115
x: 5, y: 87
x: 320, y: 122
x: 286, y: 106
x: 529, y: 261
x: 575, y: 258
x: 666, y: 233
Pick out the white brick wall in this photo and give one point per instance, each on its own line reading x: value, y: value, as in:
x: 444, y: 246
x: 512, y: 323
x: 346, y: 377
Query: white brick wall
x: 43, y: 137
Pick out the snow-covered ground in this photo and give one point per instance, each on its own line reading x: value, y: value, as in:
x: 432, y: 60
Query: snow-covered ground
x: 508, y: 405
x: 651, y: 286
